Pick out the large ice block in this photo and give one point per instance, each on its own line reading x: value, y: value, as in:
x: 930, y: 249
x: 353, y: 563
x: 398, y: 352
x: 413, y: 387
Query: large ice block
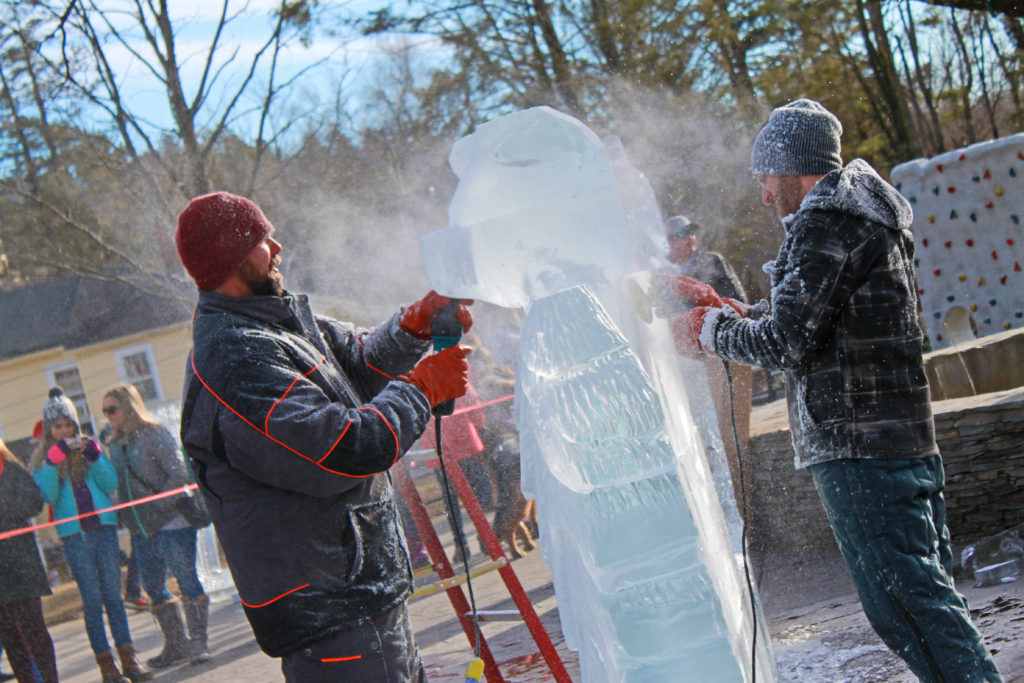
x: 549, y: 218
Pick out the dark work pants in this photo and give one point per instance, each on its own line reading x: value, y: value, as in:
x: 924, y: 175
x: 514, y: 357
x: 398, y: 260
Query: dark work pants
x: 23, y: 632
x: 889, y: 518
x: 383, y: 651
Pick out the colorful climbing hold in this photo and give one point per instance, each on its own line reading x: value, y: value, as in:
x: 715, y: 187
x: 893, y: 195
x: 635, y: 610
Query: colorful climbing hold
x: 986, y: 175
x: 931, y: 219
x: 1009, y: 240
x: 987, y: 321
x: 1013, y: 172
x: 995, y: 255
x: 913, y: 199
x: 938, y: 167
x: 981, y: 281
x: 935, y: 190
x: 974, y: 307
x: 924, y: 242
x: 1007, y: 326
x: 950, y: 297
x: 1002, y: 280
x: 961, y: 277
x: 1016, y: 266
x: 962, y: 156
x: 938, y: 315
x: 938, y: 271
x: 999, y: 192
x: 948, y: 244
x: 1015, y: 218
x: 976, y: 178
x: 991, y: 302
x: 970, y: 242
x: 974, y: 217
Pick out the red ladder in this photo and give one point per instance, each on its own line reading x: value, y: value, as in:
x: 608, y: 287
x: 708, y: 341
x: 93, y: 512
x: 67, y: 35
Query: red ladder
x: 452, y: 583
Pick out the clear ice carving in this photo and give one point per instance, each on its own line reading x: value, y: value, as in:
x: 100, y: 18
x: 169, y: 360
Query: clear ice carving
x: 645, y: 566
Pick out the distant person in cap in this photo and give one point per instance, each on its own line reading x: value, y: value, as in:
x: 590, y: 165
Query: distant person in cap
x: 843, y: 329
x: 291, y: 421
x: 731, y: 392
x: 707, y: 266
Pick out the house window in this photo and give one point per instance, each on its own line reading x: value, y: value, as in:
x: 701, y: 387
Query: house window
x: 137, y: 366
x: 67, y: 377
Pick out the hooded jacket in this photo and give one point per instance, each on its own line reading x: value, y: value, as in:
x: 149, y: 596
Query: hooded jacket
x: 843, y: 326
x: 147, y: 461
x: 291, y: 423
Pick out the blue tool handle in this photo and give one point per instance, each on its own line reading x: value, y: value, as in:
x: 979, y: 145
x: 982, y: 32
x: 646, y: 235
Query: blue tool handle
x: 446, y: 331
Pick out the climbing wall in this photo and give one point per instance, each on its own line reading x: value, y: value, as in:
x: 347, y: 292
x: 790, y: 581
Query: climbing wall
x: 968, y: 207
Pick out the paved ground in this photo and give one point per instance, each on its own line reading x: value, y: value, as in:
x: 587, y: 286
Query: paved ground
x: 819, y: 632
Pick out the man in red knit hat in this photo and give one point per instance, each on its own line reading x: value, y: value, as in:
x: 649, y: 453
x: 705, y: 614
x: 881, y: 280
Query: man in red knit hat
x: 291, y: 422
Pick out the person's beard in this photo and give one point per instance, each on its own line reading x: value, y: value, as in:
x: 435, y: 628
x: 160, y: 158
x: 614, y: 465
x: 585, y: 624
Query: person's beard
x: 270, y: 283
x: 789, y: 197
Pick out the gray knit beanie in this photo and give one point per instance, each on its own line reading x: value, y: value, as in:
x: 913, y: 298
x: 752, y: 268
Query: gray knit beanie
x: 58, y: 407
x: 800, y: 138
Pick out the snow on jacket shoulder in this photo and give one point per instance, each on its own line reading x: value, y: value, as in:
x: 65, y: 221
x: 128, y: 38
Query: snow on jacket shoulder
x: 291, y: 423
x: 843, y: 324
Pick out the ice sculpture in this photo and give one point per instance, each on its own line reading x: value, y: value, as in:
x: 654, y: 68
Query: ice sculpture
x: 547, y: 217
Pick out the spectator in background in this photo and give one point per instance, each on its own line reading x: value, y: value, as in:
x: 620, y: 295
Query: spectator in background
x: 22, y: 577
x: 500, y: 454
x: 78, y: 479
x: 712, y: 269
x: 148, y: 461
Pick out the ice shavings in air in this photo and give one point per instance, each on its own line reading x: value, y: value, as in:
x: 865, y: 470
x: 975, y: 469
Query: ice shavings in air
x: 644, y: 565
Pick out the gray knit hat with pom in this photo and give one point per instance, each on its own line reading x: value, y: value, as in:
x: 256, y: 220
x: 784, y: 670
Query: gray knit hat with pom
x: 58, y: 407
x: 800, y: 138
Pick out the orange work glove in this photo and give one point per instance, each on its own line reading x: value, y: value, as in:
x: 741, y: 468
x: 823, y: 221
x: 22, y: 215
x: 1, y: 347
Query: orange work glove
x: 418, y: 318
x: 686, y: 327
x: 443, y: 376
x: 696, y: 292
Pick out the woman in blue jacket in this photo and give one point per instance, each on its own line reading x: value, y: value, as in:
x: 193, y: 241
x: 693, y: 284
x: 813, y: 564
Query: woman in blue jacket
x: 77, y: 479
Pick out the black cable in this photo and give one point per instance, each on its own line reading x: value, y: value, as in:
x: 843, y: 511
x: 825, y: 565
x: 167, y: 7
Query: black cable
x: 459, y: 538
x: 743, y: 519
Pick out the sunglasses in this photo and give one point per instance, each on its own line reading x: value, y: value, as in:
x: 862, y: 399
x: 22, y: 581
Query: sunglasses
x: 682, y: 235
x: 110, y: 410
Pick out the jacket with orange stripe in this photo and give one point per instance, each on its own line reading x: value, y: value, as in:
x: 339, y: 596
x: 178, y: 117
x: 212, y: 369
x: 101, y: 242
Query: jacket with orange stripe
x: 291, y: 423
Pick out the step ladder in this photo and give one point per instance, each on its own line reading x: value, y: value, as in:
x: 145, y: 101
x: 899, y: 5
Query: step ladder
x: 451, y: 583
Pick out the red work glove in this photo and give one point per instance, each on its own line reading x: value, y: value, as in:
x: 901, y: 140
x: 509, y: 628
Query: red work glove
x: 686, y: 327
x: 417, y: 318
x: 696, y: 292
x: 442, y: 376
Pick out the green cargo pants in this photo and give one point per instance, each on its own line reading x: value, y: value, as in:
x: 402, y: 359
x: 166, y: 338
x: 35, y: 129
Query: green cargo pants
x: 889, y: 518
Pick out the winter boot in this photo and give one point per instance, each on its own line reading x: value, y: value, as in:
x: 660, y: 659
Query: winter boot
x: 130, y: 665
x: 108, y: 669
x: 175, y: 643
x: 197, y: 615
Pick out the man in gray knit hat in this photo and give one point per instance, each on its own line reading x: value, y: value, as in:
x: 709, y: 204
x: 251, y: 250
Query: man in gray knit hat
x: 843, y: 329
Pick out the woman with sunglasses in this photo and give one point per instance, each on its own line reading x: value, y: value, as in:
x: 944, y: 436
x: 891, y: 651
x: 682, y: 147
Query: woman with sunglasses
x: 148, y: 461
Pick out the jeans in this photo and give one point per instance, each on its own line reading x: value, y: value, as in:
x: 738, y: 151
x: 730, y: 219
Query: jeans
x: 889, y: 519
x: 29, y: 647
x: 174, y: 550
x: 95, y: 563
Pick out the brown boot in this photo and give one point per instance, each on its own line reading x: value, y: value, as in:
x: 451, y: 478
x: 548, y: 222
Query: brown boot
x: 130, y: 666
x: 108, y: 669
x: 176, y: 650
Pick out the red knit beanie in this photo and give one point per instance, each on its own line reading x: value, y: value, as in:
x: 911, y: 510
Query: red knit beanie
x: 216, y: 232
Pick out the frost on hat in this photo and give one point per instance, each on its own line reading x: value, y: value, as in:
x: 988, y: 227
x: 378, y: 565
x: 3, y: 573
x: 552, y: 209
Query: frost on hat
x: 58, y: 407
x: 216, y: 232
x: 800, y: 138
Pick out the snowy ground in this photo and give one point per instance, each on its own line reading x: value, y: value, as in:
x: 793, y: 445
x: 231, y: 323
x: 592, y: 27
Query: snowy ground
x: 821, y: 634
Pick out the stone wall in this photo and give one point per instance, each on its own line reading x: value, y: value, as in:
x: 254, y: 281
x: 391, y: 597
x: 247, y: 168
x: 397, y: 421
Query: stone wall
x: 982, y: 444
